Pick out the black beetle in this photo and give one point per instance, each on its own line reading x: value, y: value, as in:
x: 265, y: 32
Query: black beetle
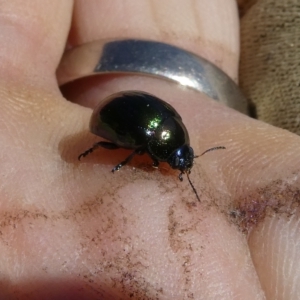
x: 142, y: 122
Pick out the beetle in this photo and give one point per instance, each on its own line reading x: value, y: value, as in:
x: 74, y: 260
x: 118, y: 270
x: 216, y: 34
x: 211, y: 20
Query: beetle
x: 143, y: 123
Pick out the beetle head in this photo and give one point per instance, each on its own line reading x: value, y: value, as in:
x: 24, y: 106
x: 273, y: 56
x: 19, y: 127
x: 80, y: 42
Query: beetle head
x: 182, y: 159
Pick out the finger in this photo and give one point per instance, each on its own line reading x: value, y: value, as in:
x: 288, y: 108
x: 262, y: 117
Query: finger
x: 275, y: 244
x: 210, y: 27
x: 206, y: 32
x: 256, y: 151
x: 199, y: 118
x: 34, y: 36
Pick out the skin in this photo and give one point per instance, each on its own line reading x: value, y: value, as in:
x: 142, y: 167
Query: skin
x: 74, y: 230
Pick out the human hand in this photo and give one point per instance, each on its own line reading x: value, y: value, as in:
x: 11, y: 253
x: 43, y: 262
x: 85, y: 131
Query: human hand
x: 73, y: 230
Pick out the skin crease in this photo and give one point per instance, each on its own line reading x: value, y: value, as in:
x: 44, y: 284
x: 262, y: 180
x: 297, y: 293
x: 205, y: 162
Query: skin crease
x: 73, y: 230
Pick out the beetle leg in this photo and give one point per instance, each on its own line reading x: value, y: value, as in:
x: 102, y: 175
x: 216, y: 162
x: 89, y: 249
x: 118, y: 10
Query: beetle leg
x: 106, y: 145
x: 180, y: 176
x: 155, y: 163
x: 140, y: 151
x: 126, y: 161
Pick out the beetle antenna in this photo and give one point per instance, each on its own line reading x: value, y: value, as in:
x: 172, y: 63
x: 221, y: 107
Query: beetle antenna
x: 210, y: 149
x: 195, y: 191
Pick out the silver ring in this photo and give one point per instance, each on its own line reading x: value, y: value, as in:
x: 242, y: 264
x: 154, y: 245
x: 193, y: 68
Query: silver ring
x: 151, y: 59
